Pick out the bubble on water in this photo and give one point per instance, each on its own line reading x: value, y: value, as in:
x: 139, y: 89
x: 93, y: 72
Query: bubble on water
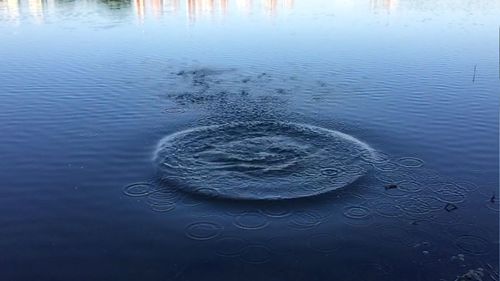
x: 425, y: 247
x: 203, y: 230
x: 261, y: 160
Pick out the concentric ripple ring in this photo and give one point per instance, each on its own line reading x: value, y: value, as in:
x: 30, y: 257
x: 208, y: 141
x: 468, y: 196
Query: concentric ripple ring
x: 261, y: 160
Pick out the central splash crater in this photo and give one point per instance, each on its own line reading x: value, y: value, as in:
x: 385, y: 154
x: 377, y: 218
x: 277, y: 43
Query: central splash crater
x: 261, y: 160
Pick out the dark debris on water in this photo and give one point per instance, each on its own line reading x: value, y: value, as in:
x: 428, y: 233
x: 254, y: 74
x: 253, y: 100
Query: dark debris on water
x: 391, y: 186
x: 450, y: 207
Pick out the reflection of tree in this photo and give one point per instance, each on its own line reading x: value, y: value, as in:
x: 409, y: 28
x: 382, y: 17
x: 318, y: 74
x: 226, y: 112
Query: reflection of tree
x: 270, y: 6
x: 157, y: 7
x: 197, y: 8
x: 194, y: 9
x: 9, y: 9
x: 117, y: 4
x: 388, y: 5
x: 172, y: 5
x: 65, y: 2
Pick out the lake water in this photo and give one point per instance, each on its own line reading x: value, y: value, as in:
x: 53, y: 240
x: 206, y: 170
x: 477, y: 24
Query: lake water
x: 249, y: 140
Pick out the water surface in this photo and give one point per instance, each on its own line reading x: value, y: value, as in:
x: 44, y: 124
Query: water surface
x: 382, y: 116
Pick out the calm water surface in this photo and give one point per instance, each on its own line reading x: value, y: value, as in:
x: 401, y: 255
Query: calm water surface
x: 155, y: 139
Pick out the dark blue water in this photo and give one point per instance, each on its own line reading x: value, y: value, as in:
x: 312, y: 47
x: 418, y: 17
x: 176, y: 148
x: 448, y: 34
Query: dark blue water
x: 249, y: 140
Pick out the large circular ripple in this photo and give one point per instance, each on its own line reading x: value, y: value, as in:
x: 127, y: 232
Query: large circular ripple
x: 261, y: 160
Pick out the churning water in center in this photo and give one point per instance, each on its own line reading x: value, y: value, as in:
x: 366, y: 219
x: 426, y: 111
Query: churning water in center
x: 261, y: 160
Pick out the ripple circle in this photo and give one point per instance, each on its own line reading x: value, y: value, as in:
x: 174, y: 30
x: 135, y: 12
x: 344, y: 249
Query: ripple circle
x: 472, y: 244
x: 411, y: 162
x: 251, y: 221
x: 203, y: 230
x: 261, y: 160
x: 356, y: 212
x: 138, y: 189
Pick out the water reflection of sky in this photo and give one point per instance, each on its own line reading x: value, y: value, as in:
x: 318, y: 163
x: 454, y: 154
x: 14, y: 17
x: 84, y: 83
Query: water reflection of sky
x: 14, y: 11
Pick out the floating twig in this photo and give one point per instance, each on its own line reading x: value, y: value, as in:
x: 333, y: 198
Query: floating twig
x: 474, y: 76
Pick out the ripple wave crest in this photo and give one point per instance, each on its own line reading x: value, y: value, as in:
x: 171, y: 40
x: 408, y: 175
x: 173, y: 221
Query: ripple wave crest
x: 261, y: 160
